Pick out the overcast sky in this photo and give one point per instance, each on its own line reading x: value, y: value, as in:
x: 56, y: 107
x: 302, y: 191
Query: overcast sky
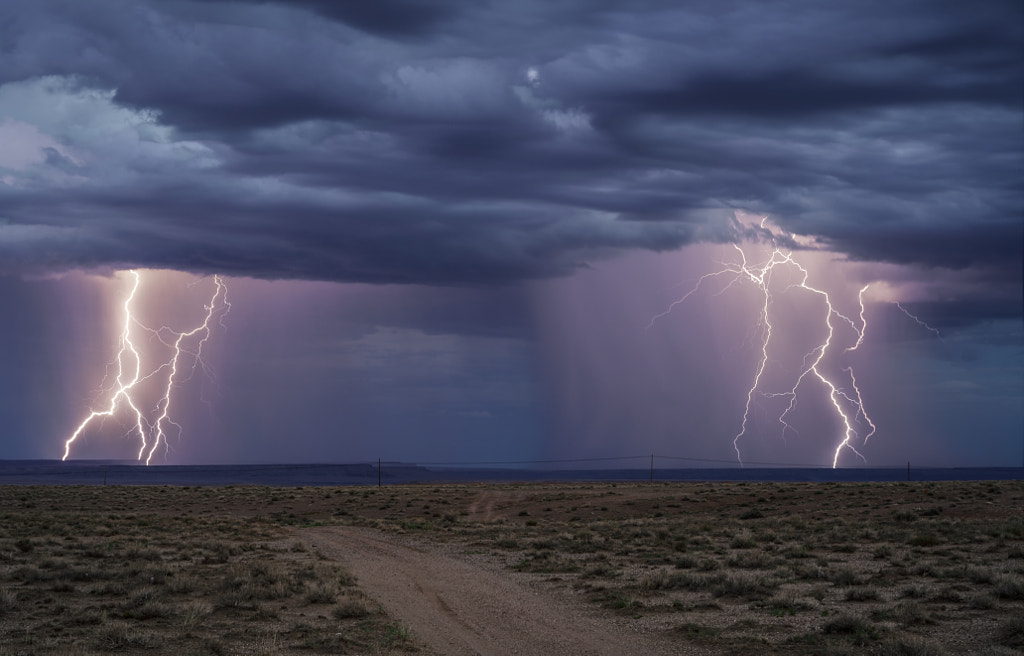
x: 446, y: 224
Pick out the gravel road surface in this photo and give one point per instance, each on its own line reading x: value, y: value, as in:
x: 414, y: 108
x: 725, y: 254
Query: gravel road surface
x: 456, y: 604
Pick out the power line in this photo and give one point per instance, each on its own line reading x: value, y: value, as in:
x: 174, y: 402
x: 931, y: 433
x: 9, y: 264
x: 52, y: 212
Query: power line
x: 745, y: 462
x: 531, y: 462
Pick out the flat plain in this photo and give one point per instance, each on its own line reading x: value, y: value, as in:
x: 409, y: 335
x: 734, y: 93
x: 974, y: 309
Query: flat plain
x: 704, y: 568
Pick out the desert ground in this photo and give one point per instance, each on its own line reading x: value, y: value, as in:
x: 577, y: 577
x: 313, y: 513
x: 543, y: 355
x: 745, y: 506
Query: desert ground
x: 664, y: 568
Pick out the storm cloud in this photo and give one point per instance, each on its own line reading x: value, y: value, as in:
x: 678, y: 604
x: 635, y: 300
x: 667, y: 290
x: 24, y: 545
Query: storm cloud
x: 455, y: 143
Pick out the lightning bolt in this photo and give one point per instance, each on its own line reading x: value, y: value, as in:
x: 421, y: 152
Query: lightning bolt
x: 863, y: 321
x: 919, y: 322
x: 122, y: 393
x: 183, y: 345
x: 164, y: 403
x: 848, y: 406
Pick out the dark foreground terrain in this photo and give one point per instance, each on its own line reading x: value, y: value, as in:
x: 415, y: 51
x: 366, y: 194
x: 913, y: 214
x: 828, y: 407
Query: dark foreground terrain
x: 807, y: 568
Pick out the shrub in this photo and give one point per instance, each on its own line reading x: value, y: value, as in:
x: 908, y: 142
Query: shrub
x: 802, y: 551
x: 845, y: 576
x: 1008, y: 586
x: 788, y: 604
x: 910, y: 612
x: 743, y: 541
x: 982, y: 602
x: 349, y: 608
x: 924, y: 540
x: 394, y: 634
x: 979, y: 574
x: 1011, y: 632
x: 662, y: 580
x: 603, y: 571
x: 122, y: 637
x: 850, y: 625
x: 8, y: 601
x: 948, y: 594
x: 884, y: 551
x: 322, y: 593
x: 618, y: 601
x: 914, y: 592
x: 862, y: 594
x: 743, y: 584
x: 193, y: 613
x: 749, y: 560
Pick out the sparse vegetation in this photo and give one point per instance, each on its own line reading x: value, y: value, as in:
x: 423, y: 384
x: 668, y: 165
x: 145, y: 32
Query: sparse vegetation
x: 115, y: 570
x: 890, y: 568
x: 877, y: 564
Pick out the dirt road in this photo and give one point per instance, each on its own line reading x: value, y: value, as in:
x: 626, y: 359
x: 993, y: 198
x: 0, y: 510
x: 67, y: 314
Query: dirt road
x: 457, y: 606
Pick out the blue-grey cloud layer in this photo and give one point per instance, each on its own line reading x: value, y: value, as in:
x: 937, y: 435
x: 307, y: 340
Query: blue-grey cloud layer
x: 467, y: 143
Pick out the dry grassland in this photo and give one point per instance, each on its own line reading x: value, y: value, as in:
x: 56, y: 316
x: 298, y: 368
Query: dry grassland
x: 161, y: 570
x: 785, y: 568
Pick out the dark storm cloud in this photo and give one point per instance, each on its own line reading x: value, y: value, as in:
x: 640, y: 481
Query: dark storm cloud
x: 450, y: 143
x: 798, y: 94
x: 385, y: 17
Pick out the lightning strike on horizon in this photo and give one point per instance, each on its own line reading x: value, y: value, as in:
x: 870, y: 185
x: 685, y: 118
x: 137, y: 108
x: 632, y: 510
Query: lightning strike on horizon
x: 123, y: 388
x: 165, y: 401
x: 153, y: 434
x: 842, y: 402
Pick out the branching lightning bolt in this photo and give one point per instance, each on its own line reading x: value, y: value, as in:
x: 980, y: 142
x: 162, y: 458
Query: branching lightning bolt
x: 182, y: 344
x: 124, y: 388
x: 849, y: 407
x: 164, y: 404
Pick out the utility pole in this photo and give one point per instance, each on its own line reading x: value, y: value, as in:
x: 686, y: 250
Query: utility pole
x: 652, y: 469
x: 378, y: 472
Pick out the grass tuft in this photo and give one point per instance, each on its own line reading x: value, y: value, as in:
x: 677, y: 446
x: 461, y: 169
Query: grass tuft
x: 8, y: 601
x: 861, y: 594
x: 1011, y: 632
x: 349, y: 608
x: 1009, y: 586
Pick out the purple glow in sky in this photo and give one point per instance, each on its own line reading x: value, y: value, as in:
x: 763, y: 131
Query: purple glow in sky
x: 445, y: 227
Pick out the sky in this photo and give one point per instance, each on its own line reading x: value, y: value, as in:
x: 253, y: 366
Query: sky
x: 444, y: 229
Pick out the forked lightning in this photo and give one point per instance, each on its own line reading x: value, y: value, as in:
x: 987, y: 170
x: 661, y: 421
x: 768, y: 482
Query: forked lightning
x: 186, y: 351
x: 847, y: 405
x: 844, y: 395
